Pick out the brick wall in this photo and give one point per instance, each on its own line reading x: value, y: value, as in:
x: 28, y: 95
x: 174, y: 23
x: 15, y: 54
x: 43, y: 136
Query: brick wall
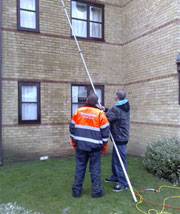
x: 149, y: 52
x: 51, y: 58
x: 141, y: 44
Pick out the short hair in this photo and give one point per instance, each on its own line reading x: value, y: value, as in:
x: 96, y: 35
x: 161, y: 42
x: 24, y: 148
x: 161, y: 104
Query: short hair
x: 121, y: 94
x: 92, y: 99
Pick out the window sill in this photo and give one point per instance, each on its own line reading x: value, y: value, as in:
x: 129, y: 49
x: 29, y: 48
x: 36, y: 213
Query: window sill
x: 89, y: 39
x: 29, y: 122
x: 28, y: 30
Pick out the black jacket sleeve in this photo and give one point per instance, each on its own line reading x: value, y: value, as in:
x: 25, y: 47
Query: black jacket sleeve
x: 112, y: 114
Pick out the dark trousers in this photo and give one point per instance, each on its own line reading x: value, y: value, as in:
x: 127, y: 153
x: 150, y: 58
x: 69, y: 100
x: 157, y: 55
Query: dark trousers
x: 82, y: 158
x: 117, y: 171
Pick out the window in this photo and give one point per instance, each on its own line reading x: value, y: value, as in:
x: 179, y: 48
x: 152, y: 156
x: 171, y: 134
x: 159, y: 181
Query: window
x: 28, y: 15
x: 29, y: 102
x: 87, y: 20
x: 81, y: 92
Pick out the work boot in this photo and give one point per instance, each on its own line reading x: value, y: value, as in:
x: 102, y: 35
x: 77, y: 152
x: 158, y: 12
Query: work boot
x: 98, y: 195
x: 76, y: 194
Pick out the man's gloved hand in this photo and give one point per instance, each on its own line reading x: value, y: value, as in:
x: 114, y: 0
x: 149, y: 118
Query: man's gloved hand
x: 73, y: 144
x: 104, y: 148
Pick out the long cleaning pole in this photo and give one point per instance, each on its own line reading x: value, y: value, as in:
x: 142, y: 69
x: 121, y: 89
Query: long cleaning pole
x: 82, y: 57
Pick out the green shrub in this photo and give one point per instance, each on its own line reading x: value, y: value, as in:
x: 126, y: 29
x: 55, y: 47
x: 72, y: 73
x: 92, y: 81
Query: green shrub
x: 162, y: 158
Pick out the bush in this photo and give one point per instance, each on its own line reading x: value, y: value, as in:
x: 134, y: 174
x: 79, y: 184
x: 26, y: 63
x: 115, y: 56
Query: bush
x: 162, y: 158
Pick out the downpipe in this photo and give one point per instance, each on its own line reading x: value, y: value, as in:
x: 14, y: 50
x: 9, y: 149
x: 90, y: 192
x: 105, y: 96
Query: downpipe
x: 1, y: 161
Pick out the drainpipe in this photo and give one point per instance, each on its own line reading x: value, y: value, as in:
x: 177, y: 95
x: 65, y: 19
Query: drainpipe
x: 178, y: 69
x: 1, y: 162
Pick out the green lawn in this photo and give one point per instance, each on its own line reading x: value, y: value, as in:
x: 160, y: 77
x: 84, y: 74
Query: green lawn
x: 45, y: 186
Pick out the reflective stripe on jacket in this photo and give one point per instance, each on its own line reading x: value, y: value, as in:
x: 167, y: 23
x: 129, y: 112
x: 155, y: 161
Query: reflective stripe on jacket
x: 89, y: 128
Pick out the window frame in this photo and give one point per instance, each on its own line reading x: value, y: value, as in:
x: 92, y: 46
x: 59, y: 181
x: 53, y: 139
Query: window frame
x: 38, y: 121
x: 89, y: 87
x: 37, y: 17
x: 88, y: 20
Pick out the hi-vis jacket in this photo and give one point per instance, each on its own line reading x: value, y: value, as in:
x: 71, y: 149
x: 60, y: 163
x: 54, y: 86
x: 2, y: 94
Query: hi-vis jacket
x: 89, y: 128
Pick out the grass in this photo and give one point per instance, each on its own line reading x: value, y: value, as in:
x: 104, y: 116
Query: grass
x: 45, y: 187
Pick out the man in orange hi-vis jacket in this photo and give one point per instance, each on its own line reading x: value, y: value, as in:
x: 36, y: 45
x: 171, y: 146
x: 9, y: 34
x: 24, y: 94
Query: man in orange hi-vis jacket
x: 89, y: 129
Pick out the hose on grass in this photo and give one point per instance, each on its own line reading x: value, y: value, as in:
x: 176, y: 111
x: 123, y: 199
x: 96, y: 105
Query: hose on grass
x: 163, y: 205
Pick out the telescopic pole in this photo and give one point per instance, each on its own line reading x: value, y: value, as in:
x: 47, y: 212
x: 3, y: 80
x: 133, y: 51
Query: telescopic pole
x: 84, y: 63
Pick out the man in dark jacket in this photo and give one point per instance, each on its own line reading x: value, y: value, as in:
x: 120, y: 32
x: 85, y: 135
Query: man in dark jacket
x: 89, y: 130
x: 119, y: 118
